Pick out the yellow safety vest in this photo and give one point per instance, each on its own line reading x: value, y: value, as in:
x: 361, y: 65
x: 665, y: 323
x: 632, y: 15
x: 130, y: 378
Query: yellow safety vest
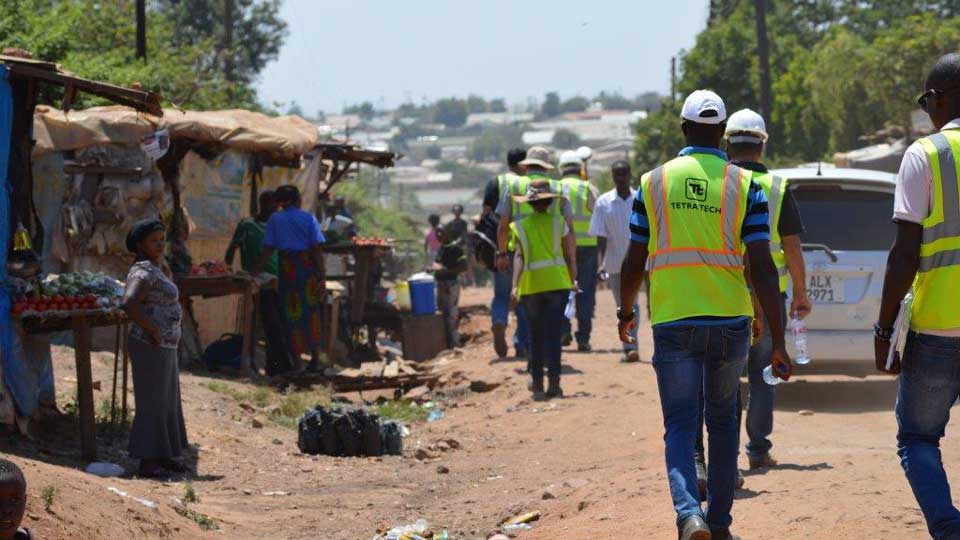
x: 935, y: 304
x: 578, y: 192
x: 544, y: 268
x: 696, y: 205
x: 775, y: 188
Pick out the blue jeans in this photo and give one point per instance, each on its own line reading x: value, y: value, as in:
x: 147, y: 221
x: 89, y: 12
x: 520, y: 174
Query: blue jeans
x: 500, y: 309
x: 929, y: 386
x: 761, y: 397
x: 689, y: 360
x: 586, y: 300
x: 545, y: 311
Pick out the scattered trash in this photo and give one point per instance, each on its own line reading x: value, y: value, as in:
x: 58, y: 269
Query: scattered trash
x: 521, y: 519
x: 806, y: 412
x: 414, y: 531
x: 345, y: 431
x: 435, y: 414
x: 104, y: 469
x: 276, y: 493
x: 149, y: 504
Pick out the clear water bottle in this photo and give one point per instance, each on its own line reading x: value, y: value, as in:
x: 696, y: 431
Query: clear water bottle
x: 799, y: 329
x: 770, y: 378
x: 571, y: 310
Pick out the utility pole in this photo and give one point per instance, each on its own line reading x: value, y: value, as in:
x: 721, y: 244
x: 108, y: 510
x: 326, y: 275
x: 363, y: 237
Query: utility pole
x: 673, y: 78
x: 763, y: 53
x: 142, y: 29
x: 228, y: 66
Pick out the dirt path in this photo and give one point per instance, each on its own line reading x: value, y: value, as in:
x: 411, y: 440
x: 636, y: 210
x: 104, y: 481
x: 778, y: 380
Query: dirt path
x: 592, y: 463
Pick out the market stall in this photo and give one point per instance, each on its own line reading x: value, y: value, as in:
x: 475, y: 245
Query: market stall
x: 26, y: 374
x: 76, y: 303
x: 224, y: 283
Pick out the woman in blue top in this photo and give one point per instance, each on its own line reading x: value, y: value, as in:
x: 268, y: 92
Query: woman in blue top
x: 296, y: 236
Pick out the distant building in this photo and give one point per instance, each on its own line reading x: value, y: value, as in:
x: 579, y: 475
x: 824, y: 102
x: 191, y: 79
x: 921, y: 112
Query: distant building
x: 499, y: 119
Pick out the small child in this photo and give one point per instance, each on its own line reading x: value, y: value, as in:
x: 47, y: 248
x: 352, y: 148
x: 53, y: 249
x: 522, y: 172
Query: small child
x: 13, y: 502
x: 450, y: 263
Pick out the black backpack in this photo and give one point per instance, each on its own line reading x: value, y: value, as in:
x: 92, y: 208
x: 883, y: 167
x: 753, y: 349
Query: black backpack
x: 485, y: 241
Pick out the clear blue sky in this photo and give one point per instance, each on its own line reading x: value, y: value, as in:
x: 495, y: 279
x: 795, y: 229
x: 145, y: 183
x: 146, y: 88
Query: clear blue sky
x: 391, y: 51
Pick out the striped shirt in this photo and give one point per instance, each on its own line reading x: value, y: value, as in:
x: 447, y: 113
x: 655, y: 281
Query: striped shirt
x: 611, y: 220
x: 755, y: 228
x: 756, y: 222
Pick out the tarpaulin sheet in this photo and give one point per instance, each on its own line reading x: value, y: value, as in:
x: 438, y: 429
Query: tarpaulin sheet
x: 216, y: 192
x: 25, y: 380
x: 235, y: 129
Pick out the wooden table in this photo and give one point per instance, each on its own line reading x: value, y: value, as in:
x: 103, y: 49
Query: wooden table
x: 364, y: 257
x: 207, y: 286
x: 80, y: 323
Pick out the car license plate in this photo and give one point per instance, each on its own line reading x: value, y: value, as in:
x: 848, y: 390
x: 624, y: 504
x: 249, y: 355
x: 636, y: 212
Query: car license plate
x: 825, y: 289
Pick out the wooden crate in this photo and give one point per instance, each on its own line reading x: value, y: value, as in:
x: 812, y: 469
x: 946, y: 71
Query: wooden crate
x: 423, y: 336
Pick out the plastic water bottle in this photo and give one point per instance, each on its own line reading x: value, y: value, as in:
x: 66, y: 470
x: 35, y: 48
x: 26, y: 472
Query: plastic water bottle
x: 770, y: 378
x: 571, y: 310
x: 799, y: 329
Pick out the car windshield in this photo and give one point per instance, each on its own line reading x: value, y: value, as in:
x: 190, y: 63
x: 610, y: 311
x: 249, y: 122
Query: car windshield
x: 846, y: 219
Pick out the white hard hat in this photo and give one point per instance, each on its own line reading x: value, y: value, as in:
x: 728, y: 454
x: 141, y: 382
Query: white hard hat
x: 746, y: 126
x: 704, y: 107
x: 570, y: 158
x: 584, y: 152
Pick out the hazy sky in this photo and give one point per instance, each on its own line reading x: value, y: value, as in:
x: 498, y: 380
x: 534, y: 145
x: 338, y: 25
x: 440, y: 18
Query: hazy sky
x: 391, y: 51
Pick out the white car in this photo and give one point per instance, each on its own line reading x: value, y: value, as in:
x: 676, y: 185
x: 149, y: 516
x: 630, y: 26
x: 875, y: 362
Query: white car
x: 848, y: 217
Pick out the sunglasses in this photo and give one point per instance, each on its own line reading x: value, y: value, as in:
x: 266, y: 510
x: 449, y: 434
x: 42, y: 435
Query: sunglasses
x: 924, y: 98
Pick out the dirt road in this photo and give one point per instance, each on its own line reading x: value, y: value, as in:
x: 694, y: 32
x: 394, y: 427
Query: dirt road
x: 592, y: 463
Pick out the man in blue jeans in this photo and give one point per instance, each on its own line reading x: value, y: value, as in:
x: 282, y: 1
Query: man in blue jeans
x: 500, y: 307
x: 926, y: 254
x: 694, y: 219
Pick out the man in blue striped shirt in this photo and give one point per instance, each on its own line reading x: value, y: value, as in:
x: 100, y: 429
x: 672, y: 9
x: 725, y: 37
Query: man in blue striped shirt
x: 701, y: 305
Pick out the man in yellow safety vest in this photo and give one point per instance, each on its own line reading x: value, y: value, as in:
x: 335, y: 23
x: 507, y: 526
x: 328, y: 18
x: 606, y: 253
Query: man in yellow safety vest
x: 694, y: 219
x: 583, y: 198
x: 537, y: 167
x: 545, y: 273
x: 926, y: 256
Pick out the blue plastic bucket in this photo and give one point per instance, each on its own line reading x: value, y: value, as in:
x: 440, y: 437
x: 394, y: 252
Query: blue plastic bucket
x: 423, y: 295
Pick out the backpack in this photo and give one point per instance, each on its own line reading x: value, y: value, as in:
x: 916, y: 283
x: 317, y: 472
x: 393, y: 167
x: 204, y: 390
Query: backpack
x: 225, y: 352
x: 485, y: 241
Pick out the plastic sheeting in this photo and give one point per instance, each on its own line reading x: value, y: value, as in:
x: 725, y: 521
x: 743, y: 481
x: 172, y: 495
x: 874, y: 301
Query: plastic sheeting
x: 235, y: 129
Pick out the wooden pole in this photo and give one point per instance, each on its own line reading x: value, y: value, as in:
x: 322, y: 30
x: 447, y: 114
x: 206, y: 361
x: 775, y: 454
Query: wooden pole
x: 126, y: 361
x: 88, y: 422
x: 763, y: 53
x: 113, y: 392
x: 142, y: 29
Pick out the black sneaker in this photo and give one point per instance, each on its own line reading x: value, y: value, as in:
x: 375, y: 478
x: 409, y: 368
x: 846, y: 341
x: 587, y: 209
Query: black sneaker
x: 584, y: 347
x: 693, y: 528
x: 554, y: 391
x: 723, y: 534
x: 567, y: 340
x: 536, y: 387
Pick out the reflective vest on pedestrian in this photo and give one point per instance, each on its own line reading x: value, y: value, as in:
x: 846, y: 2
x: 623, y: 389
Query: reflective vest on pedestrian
x: 935, y: 305
x: 775, y: 187
x: 544, y: 269
x: 578, y: 192
x: 696, y: 205
x: 503, y: 182
x: 518, y: 187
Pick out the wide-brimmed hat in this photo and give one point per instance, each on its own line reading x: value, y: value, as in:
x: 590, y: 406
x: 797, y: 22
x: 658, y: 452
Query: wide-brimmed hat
x: 538, y: 190
x: 538, y: 155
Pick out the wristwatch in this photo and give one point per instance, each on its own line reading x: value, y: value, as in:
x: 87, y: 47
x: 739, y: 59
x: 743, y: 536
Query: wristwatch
x: 625, y: 317
x: 883, y: 334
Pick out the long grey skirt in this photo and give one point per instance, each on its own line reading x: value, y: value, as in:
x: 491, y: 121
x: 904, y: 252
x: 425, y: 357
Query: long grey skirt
x: 158, y: 429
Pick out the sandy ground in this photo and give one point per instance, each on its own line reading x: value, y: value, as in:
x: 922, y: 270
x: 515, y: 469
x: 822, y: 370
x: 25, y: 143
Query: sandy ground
x: 592, y: 463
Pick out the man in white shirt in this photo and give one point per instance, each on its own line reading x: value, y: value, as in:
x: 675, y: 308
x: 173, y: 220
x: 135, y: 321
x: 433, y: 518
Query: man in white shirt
x: 926, y: 257
x: 611, y: 225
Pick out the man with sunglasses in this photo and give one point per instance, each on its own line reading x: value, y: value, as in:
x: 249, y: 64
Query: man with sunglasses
x: 926, y: 255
